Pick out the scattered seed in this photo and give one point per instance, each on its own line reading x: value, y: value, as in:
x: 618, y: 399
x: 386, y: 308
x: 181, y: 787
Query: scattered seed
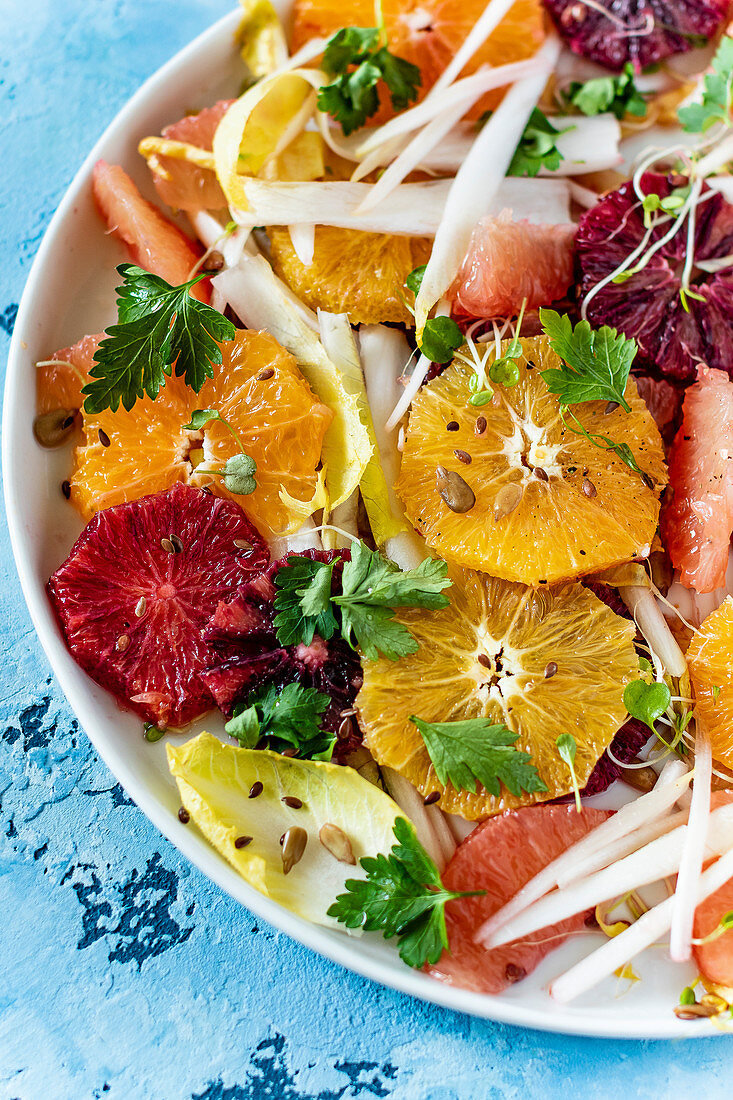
x: 484, y: 660
x: 153, y: 732
x: 122, y: 643
x: 431, y: 799
x: 242, y: 841
x: 541, y: 474
x: 288, y: 752
x: 168, y: 546
x: 695, y: 1012
x: 648, y: 481
x: 255, y: 789
x: 291, y: 801
x: 294, y: 842
x: 348, y: 712
x: 457, y: 494
x: 514, y: 973
x: 506, y: 500
x: 576, y: 13
x: 66, y: 489
x: 480, y: 425
x: 184, y: 816
x: 641, y: 779
x: 242, y: 544
x: 452, y: 426
x: 140, y: 606
x: 550, y: 669
x: 265, y: 374
x: 213, y: 262
x: 53, y: 428
x: 464, y: 457
x: 589, y: 488
x: 346, y: 728
x: 335, y: 841
x: 177, y: 544
x: 103, y: 437
x: 611, y: 407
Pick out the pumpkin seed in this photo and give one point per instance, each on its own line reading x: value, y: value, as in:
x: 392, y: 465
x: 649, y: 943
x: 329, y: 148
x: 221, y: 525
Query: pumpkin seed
x: 53, y: 428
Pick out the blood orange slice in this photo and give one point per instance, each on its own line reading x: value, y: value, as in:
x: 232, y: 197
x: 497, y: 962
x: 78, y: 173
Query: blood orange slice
x: 140, y: 585
x: 697, y: 518
x: 508, y: 262
x: 499, y: 857
x: 154, y: 242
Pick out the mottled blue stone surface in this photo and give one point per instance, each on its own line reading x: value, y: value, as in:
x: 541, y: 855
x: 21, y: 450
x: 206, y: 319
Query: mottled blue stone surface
x: 123, y: 972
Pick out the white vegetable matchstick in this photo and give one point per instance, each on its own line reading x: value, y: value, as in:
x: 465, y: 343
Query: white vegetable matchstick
x: 683, y: 909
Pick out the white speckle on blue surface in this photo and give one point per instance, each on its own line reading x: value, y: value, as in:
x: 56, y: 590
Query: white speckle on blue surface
x: 124, y: 973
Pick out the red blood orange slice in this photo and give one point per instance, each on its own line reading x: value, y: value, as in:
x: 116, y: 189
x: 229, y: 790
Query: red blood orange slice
x: 499, y: 857
x: 140, y: 585
x: 697, y: 518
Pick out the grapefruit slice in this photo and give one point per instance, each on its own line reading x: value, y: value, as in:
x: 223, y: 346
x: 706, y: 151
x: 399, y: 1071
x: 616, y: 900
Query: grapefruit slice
x: 714, y: 959
x: 549, y: 505
x: 499, y: 857
x: 154, y: 242
x: 542, y: 662
x: 711, y: 672
x: 697, y: 518
x: 140, y: 585
x: 180, y: 183
x: 508, y: 262
x: 59, y: 382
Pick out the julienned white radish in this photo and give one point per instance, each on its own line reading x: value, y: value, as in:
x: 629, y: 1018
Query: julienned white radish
x: 485, y: 25
x: 417, y: 377
x: 623, y: 847
x: 653, y: 625
x: 384, y: 352
x: 411, y: 802
x: 673, y: 781
x: 303, y: 239
x: 411, y: 209
x: 460, y: 827
x: 475, y: 187
x: 648, y: 929
x: 683, y: 909
x: 650, y: 863
x: 443, y: 832
x: 213, y: 234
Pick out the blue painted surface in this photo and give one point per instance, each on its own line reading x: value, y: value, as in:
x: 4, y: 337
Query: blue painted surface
x: 123, y: 972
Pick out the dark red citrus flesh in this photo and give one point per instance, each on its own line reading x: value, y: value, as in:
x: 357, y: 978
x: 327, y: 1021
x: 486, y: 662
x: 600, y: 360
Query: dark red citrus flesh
x: 697, y: 517
x: 500, y: 856
x: 243, y: 634
x: 153, y: 661
x: 664, y: 27
x: 648, y: 306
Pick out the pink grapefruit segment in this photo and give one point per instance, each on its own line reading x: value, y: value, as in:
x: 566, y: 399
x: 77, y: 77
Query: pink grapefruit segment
x: 500, y: 856
x: 59, y: 384
x: 181, y: 184
x: 697, y: 518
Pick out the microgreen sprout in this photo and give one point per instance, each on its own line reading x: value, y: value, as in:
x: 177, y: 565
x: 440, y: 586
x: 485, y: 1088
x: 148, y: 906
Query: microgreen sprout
x: 503, y: 368
x: 567, y: 747
x: 716, y: 692
x: 725, y: 924
x: 239, y: 469
x: 687, y: 996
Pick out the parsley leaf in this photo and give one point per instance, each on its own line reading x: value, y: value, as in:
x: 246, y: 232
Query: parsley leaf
x: 441, y: 336
x: 401, y: 896
x: 287, y: 717
x: 567, y: 747
x: 537, y: 147
x: 617, y: 94
x: 596, y: 362
x: 717, y: 97
x: 371, y: 588
x: 357, y: 61
x: 475, y: 750
x: 159, y: 325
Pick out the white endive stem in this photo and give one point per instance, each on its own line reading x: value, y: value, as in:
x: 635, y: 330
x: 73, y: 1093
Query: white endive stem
x: 683, y: 909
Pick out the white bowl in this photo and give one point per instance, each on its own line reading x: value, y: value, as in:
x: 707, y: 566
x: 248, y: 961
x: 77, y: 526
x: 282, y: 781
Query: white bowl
x: 70, y: 292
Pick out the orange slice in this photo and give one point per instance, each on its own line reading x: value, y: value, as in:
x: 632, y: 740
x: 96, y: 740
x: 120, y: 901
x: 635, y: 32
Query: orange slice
x: 711, y: 672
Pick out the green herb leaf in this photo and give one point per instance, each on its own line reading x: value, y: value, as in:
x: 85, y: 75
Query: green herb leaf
x: 596, y: 361
x: 401, y: 896
x: 357, y: 61
x: 617, y: 94
x: 537, y: 147
x: 160, y: 328
x: 295, y: 582
x: 697, y: 118
x: 566, y: 747
x: 201, y: 417
x: 687, y: 996
x: 441, y: 336
x: 287, y: 717
x: 473, y: 751
x: 646, y: 702
x: 413, y: 281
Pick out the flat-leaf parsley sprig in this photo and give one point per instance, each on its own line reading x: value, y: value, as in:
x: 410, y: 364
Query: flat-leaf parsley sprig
x: 357, y: 58
x: 617, y: 94
x: 402, y: 896
x: 284, y: 718
x: 475, y: 750
x: 159, y: 325
x: 363, y: 611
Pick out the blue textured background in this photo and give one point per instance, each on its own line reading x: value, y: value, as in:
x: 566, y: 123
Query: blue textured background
x: 123, y: 972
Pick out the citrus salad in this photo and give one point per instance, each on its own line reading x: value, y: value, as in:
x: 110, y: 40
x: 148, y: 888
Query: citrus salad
x: 409, y: 450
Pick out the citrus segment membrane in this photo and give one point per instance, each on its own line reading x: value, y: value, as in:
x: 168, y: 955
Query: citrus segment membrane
x: 257, y: 388
x: 490, y: 655
x: 549, y: 505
